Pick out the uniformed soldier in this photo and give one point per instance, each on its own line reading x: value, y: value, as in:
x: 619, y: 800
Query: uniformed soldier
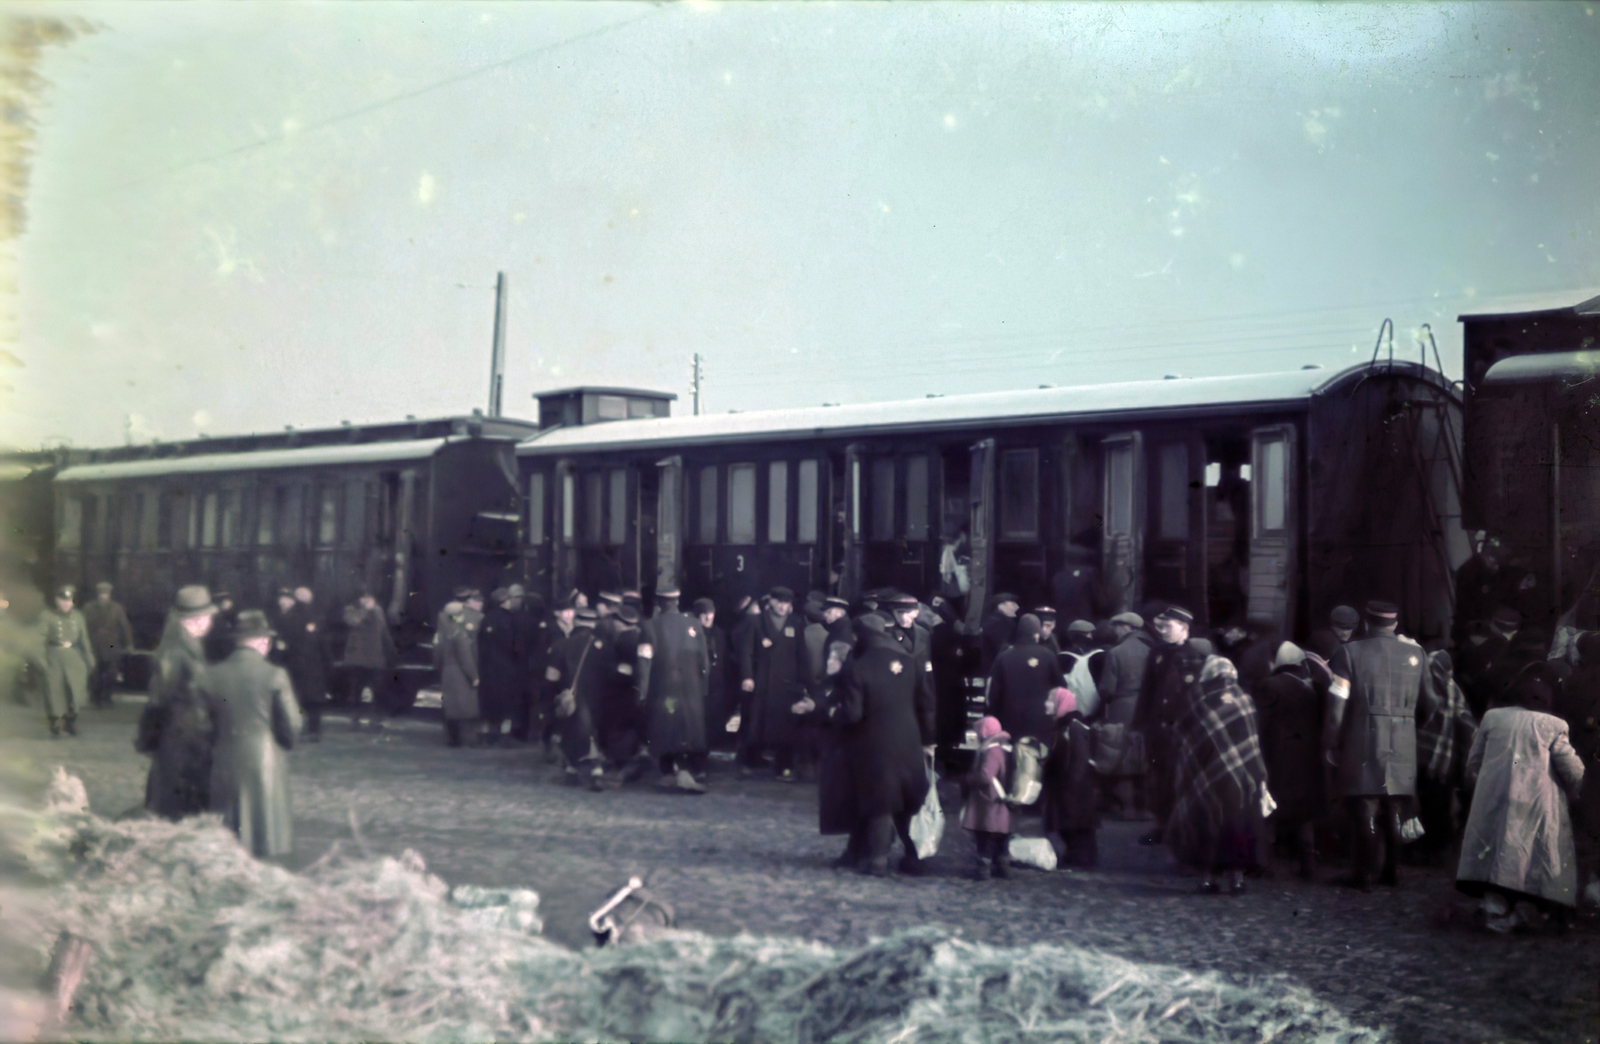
x: 1381, y: 689
x: 1172, y: 669
x: 68, y: 662
x: 112, y: 636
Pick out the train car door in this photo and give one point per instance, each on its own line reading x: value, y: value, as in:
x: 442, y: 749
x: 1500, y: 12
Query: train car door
x: 793, y: 496
x: 639, y: 567
x: 1123, y: 519
x: 735, y: 563
x: 1175, y: 539
x: 900, y: 504
x: 981, y: 532
x: 1273, y: 526
x: 669, y: 524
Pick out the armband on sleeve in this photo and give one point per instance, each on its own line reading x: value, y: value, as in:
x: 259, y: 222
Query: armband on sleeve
x: 1339, y: 688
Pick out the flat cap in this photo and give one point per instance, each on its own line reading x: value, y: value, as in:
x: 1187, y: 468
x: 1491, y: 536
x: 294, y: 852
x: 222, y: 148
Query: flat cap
x: 1380, y: 610
x: 103, y: 587
x: 1080, y: 627
x: 1133, y: 620
x: 500, y: 595
x: 899, y: 600
x: 835, y: 602
x: 1044, y: 612
x: 703, y: 606
x: 1506, y: 616
x: 781, y: 594
x: 1344, y: 616
x: 1006, y: 596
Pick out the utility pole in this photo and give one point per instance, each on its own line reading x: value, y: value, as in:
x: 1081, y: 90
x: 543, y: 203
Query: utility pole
x: 696, y: 383
x: 497, y: 367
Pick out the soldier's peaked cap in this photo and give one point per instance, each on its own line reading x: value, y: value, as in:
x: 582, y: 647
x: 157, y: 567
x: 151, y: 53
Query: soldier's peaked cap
x: 104, y: 585
x: 66, y: 591
x: 611, y: 597
x: 1344, y: 616
x: 1380, y: 610
x: 835, y: 602
x: 1176, y: 612
x: 1044, y: 612
x: 586, y: 615
x: 670, y: 591
x: 897, y: 600
x: 628, y: 614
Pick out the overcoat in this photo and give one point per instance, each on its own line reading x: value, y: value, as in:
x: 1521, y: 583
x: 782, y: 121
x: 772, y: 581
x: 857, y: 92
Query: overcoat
x: 109, y: 629
x: 836, y: 800
x: 175, y: 729
x: 997, y: 633
x: 455, y: 655
x: 254, y: 721
x: 1289, y: 715
x: 305, y: 654
x: 1122, y: 676
x: 500, y: 664
x: 720, y: 702
x: 1171, y: 675
x: 679, y: 668
x: 1519, y: 832
x: 368, y: 642
x: 68, y: 662
x: 984, y: 809
x: 1019, y: 687
x: 774, y: 656
x: 1391, y: 689
x: 949, y: 658
x: 1069, y: 787
x: 619, y: 710
x: 883, y: 724
x: 581, y: 665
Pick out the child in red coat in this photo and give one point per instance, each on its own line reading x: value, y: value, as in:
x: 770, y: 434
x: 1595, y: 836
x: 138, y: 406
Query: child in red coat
x: 986, y: 813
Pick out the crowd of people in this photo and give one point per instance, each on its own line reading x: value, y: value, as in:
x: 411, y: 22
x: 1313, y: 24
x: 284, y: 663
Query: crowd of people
x: 1229, y: 749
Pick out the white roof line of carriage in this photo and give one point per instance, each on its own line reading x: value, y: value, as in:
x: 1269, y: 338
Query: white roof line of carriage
x: 955, y: 411
x: 258, y: 460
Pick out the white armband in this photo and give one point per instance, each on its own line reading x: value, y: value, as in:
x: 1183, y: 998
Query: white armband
x: 1339, y: 688
x: 624, y: 668
x: 646, y: 652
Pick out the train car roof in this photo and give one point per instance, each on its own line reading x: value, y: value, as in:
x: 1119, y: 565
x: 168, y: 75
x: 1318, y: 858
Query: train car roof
x: 1535, y: 304
x: 1545, y: 366
x: 1173, y: 396
x: 259, y: 460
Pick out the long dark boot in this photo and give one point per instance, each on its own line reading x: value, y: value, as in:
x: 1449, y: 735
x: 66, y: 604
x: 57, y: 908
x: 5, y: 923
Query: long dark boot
x: 70, y: 724
x: 55, y: 727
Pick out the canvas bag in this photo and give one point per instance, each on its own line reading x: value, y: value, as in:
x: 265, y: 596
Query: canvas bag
x: 927, y: 826
x: 1081, y: 682
x: 1026, y: 771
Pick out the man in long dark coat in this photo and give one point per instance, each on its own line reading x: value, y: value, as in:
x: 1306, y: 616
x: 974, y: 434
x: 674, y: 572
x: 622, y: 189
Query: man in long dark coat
x: 1381, y: 687
x: 579, y: 680
x: 999, y: 629
x: 886, y: 723
x: 1171, y: 671
x: 563, y: 619
x: 628, y: 657
x: 1119, y: 685
x: 305, y: 656
x: 112, y: 637
x: 255, y: 720
x: 1486, y: 668
x: 175, y: 725
x: 722, y: 700
x: 948, y: 654
x: 1076, y: 591
x: 533, y: 627
x: 679, y: 666
x: 68, y: 661
x: 772, y: 668
x: 1289, y: 717
x: 500, y: 666
x: 1020, y: 684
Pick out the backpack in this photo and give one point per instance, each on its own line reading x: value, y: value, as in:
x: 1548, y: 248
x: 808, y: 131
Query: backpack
x: 1081, y: 682
x: 1025, y: 768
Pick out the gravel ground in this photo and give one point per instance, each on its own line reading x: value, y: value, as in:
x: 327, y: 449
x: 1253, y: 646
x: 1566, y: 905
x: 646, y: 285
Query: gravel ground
x: 746, y: 857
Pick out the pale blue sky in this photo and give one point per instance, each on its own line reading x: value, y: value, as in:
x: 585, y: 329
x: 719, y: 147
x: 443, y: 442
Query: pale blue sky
x: 248, y: 215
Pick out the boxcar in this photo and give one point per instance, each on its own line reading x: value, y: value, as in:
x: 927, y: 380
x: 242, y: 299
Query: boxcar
x: 405, y: 510
x: 1268, y: 498
x: 1533, y: 449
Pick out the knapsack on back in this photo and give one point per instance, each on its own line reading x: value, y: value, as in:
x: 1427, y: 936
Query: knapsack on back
x: 1026, y: 769
x: 1081, y: 681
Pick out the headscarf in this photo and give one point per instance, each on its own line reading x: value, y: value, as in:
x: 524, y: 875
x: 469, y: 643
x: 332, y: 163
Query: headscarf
x: 1219, y: 668
x: 1062, y: 702
x: 1288, y: 655
x: 988, y: 728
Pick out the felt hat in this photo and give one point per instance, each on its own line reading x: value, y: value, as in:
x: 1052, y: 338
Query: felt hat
x: 586, y: 616
x: 193, y: 600
x: 1345, y: 617
x: 252, y: 623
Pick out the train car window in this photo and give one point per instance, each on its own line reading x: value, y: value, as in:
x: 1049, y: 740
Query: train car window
x: 208, y: 520
x: 355, y: 502
x: 149, y: 520
x: 741, y: 503
x: 640, y: 408
x: 1244, y: 473
x: 1019, y: 494
x: 805, y: 529
x: 881, y: 494
x: 707, y: 530
x: 271, y: 502
x: 166, y: 520
x: 778, y: 502
x: 569, y: 498
x: 292, y: 523
x: 1174, y: 491
x: 1213, y: 475
x: 111, y: 540
x: 611, y: 407
x: 1273, y: 506
x: 536, y: 508
x: 594, y: 504
x: 232, y: 518
x: 327, y: 516
x: 917, y: 497
x: 618, y: 515
x: 69, y: 527
x: 1119, y: 472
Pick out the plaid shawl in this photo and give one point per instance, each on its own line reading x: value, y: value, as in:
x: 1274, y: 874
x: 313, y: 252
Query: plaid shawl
x: 1220, y: 769
x: 1447, y: 727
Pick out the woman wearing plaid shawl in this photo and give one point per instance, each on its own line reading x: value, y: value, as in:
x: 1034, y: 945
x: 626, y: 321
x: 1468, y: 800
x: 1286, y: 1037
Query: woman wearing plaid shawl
x: 1221, y: 780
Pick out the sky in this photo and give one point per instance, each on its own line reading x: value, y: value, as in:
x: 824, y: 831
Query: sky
x: 249, y: 215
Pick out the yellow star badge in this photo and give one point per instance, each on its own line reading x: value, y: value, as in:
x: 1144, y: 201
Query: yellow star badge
x: 895, y: 667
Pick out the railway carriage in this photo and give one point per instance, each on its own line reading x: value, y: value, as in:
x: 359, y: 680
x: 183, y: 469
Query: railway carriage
x: 407, y: 510
x: 1269, y: 497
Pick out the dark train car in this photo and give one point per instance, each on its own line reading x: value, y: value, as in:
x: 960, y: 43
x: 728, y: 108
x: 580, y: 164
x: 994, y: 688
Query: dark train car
x: 408, y: 510
x: 27, y: 527
x: 1269, y: 497
x: 1532, y: 406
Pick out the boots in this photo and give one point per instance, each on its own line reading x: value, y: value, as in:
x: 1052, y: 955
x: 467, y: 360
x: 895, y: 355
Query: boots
x: 981, y: 871
x: 877, y: 866
x: 70, y: 724
x: 1002, y: 865
x: 55, y: 727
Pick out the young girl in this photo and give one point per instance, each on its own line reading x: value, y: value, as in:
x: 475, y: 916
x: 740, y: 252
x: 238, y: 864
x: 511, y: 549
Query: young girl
x: 986, y: 813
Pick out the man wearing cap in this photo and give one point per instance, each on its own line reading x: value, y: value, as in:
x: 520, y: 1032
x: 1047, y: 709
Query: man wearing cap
x: 305, y: 657
x: 627, y: 658
x: 555, y: 635
x: 1381, y: 687
x: 581, y: 674
x: 1076, y: 590
x: 68, y: 661
x: 500, y: 666
x: 111, y: 636
x: 1486, y: 667
x: 1480, y: 587
x: 219, y: 643
x: 455, y: 657
x: 679, y: 667
x: 533, y: 626
x: 175, y: 726
x: 772, y: 668
x: 1343, y: 622
x: 1020, y: 684
x: 722, y: 696
x: 369, y: 659
x: 608, y: 604
x: 1171, y: 674
x: 1048, y: 637
x: 255, y: 720
x: 999, y: 629
x: 1121, y: 758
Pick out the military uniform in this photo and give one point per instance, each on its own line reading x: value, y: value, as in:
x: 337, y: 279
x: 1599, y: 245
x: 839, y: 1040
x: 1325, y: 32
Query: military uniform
x: 111, y: 635
x: 68, y: 662
x: 455, y: 656
x: 1372, y: 739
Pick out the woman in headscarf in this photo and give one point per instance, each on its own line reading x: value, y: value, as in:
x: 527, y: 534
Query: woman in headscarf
x: 1069, y: 783
x: 175, y: 727
x: 1443, y: 738
x: 1518, y: 852
x: 1290, y: 705
x: 1221, y: 780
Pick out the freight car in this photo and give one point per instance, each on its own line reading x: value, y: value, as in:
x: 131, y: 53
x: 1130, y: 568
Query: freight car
x: 1532, y: 404
x: 407, y: 510
x: 1269, y: 498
